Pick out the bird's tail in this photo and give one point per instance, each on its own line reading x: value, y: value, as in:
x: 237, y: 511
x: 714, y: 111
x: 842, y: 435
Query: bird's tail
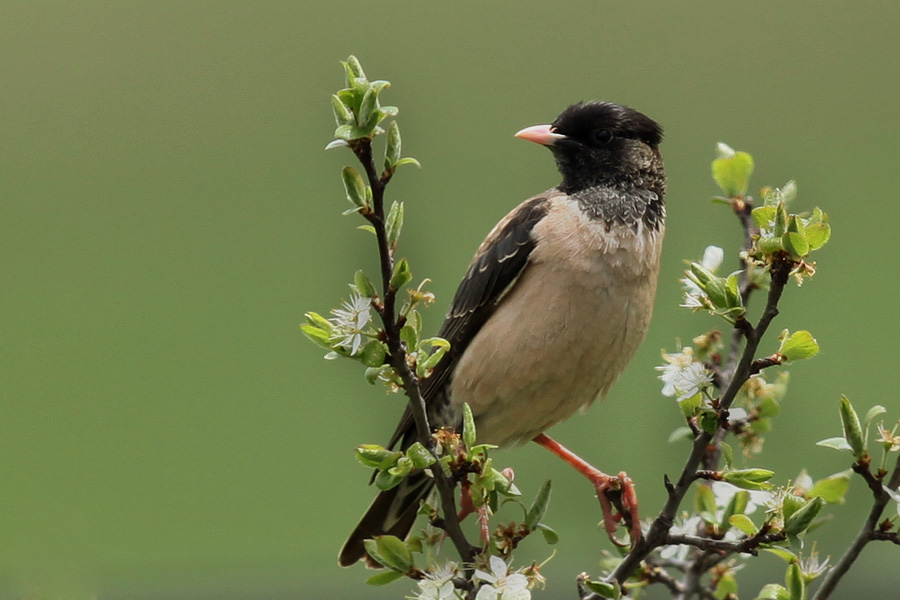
x: 391, y: 513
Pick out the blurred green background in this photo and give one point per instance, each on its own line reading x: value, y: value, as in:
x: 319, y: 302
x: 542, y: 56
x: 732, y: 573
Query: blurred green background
x: 168, y: 213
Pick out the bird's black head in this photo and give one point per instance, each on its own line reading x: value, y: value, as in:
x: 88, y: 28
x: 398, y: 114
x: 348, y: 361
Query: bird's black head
x: 601, y: 143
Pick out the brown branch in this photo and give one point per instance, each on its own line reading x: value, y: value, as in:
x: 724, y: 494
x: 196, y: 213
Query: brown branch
x: 867, y: 533
x: 748, y: 545
x: 397, y: 354
x: 659, y: 529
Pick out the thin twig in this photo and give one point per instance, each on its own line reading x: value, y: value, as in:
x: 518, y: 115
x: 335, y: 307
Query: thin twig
x: 867, y: 532
x: 396, y: 350
x: 659, y: 529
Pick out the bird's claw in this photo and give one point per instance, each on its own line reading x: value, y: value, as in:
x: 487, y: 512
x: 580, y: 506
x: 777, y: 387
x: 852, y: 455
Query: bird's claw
x: 618, y: 501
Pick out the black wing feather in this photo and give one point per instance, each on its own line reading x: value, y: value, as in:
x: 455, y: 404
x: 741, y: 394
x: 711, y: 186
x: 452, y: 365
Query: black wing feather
x: 497, y: 264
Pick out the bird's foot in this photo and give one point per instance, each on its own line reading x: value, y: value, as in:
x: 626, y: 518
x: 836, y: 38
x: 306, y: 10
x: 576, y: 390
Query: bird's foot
x: 467, y: 507
x: 618, y: 501
x: 616, y: 494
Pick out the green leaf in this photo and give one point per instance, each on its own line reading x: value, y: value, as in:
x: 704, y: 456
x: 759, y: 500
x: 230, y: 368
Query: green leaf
x: 354, y: 186
x: 604, y: 589
x: 763, y: 216
x: 708, y: 421
x: 727, y: 454
x: 768, y: 407
x: 394, y: 223
x: 727, y: 586
x: 336, y: 144
x: 838, y: 443
x: 744, y: 524
x: 354, y: 68
x: 368, y: 109
x: 468, y: 426
x: 342, y: 113
x: 394, y: 552
x: 402, y: 275
x: 373, y: 354
x: 538, y: 507
x: 871, y: 415
x: 683, y: 433
x: 384, y: 578
x: 852, y: 428
x: 736, y: 506
x: 796, y: 584
x: 795, y: 244
x: 817, y: 235
x: 749, y: 479
x: 803, y: 517
x: 317, y: 335
x: 690, y: 405
x: 373, y: 455
x: 438, y: 347
x: 782, y: 553
x: 364, y: 285
x: 705, y: 500
x: 799, y: 345
x: 420, y: 456
x: 386, y: 480
x: 550, y: 535
x: 408, y: 160
x: 773, y: 591
x: 392, y: 150
x: 732, y: 174
x: 832, y: 489
x: 770, y: 245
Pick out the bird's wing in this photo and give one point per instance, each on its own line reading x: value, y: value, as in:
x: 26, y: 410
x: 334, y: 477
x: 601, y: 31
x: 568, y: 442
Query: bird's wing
x: 498, y: 263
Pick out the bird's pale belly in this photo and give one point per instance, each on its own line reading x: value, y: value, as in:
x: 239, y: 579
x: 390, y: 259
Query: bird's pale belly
x: 522, y: 378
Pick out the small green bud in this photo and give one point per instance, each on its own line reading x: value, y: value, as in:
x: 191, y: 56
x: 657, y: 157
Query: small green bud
x: 342, y: 113
x: 604, y: 589
x: 364, y: 284
x: 749, y: 479
x: 354, y: 186
x: 402, y: 275
x: 796, y: 585
x: 375, y: 456
x: 468, y: 435
x: 420, y: 456
x: 392, y: 150
x: 803, y: 517
x: 394, y: 223
x: 852, y: 428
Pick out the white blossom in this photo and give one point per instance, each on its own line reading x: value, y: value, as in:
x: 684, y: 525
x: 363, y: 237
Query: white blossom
x: 693, y: 295
x: 438, y: 584
x: 683, y: 377
x: 499, y: 585
x: 350, y: 322
x: 812, y: 567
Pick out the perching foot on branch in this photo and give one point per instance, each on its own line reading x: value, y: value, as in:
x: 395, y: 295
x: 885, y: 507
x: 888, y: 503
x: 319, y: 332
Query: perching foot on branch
x: 616, y: 494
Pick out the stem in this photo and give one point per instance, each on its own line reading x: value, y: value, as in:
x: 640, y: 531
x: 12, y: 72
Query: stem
x: 866, y: 534
x: 396, y: 350
x: 659, y: 529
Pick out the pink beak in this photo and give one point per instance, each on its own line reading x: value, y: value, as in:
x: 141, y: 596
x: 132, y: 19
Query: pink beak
x: 540, y: 134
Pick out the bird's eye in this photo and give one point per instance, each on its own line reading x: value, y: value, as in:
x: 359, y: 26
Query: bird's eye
x: 602, y: 136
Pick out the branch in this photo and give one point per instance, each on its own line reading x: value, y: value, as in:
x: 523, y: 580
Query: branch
x: 659, y: 530
x: 867, y: 533
x: 362, y: 148
x: 748, y: 545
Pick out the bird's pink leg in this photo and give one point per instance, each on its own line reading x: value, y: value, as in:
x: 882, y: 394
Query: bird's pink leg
x: 603, y: 483
x: 467, y: 507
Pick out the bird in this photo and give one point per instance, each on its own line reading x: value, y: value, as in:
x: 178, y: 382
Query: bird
x: 554, y: 304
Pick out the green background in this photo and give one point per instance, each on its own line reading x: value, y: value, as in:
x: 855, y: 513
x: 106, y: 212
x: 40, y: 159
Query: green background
x: 168, y: 213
